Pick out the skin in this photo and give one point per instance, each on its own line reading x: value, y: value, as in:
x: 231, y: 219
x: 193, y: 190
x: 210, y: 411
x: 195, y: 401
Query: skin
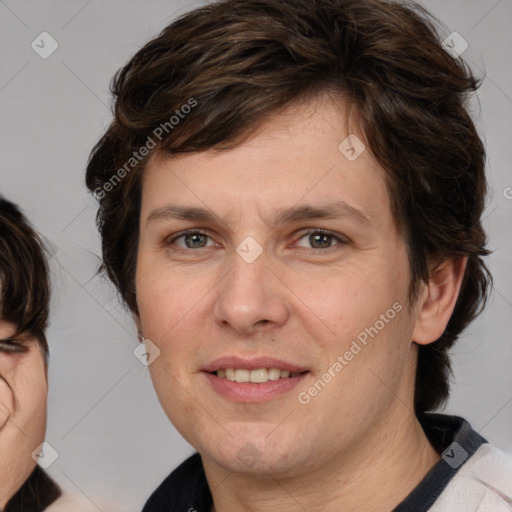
x: 358, y: 440
x: 23, y: 394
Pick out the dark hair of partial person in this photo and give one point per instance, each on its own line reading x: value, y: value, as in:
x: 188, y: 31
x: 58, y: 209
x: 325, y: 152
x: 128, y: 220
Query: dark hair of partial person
x: 24, y: 302
x: 243, y: 61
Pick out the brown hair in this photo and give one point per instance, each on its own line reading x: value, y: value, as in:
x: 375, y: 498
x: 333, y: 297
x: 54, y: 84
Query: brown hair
x: 24, y: 281
x: 242, y: 61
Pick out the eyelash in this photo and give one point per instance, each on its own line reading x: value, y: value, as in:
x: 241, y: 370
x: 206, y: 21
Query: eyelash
x: 309, y: 232
x: 11, y: 346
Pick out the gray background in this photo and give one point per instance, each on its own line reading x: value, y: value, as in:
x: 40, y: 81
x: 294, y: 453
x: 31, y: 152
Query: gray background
x: 112, y: 438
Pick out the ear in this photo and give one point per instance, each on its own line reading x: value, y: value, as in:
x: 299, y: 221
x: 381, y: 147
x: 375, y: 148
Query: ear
x: 438, y: 300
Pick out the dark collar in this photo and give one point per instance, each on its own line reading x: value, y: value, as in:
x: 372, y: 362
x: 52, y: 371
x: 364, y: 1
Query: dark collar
x: 455, y: 440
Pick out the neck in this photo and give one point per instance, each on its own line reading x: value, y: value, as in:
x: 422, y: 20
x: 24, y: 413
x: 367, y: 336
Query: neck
x: 379, y: 473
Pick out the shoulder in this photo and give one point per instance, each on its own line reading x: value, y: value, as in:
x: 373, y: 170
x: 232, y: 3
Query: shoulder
x: 483, y: 483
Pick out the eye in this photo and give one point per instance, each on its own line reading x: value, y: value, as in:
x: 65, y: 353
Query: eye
x: 190, y: 240
x: 12, y: 346
x: 319, y: 239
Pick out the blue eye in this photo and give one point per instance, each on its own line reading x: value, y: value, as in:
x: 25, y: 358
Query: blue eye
x: 195, y: 240
x: 192, y: 240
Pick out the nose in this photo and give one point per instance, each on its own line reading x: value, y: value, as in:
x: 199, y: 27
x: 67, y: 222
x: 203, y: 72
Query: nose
x: 251, y: 297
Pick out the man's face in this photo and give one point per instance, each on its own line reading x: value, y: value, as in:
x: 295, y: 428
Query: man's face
x: 23, y: 392
x: 294, y: 296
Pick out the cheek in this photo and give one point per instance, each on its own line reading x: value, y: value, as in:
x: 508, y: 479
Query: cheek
x: 31, y: 390
x: 365, y: 310
x: 168, y: 318
x: 353, y: 299
x: 166, y: 300
x: 6, y: 402
x: 171, y: 310
x: 37, y: 402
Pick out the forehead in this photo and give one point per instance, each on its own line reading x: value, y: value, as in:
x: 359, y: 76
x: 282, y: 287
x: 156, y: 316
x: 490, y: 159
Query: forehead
x: 309, y: 154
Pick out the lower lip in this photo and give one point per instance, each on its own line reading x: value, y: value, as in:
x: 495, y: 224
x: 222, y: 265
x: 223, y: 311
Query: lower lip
x: 248, y: 392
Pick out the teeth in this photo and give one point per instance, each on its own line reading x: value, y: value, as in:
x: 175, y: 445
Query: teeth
x: 255, y: 376
x: 260, y: 375
x: 242, y: 375
x: 274, y: 373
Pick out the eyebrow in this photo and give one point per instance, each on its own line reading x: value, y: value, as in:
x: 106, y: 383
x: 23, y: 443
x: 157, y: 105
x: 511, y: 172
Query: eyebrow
x: 335, y: 210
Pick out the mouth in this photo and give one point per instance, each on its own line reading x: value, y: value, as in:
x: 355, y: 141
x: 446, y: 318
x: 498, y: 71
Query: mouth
x: 257, y: 376
x: 255, y: 380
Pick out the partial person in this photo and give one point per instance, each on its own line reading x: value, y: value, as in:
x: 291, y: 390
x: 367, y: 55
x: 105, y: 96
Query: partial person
x: 24, y: 355
x: 24, y: 309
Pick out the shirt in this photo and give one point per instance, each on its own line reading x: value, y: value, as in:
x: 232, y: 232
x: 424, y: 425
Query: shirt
x: 472, y: 476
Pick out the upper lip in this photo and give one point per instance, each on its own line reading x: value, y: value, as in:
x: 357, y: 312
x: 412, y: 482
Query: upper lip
x: 252, y: 364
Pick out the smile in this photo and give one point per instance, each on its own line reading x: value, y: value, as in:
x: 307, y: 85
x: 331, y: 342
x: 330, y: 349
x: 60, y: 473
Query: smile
x: 257, y: 376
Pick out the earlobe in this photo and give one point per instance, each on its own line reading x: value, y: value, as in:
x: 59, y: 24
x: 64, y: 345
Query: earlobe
x: 438, y: 300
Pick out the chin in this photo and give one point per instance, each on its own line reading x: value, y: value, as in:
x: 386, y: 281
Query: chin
x: 253, y: 449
